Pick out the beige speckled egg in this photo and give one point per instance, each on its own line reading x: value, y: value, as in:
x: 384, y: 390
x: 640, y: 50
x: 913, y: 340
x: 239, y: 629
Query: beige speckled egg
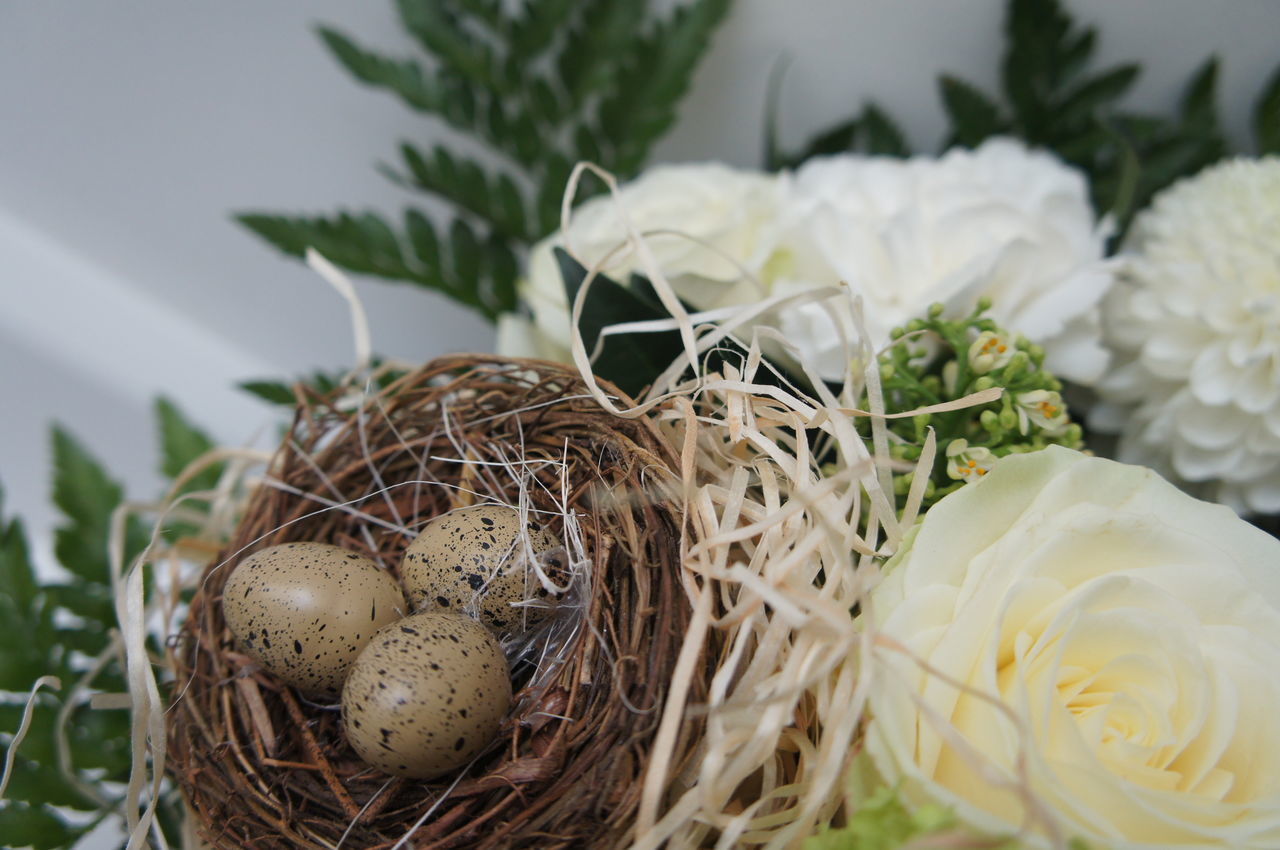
x: 305, y: 610
x: 472, y: 559
x: 426, y: 695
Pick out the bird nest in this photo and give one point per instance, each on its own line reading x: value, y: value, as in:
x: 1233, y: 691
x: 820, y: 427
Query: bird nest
x: 263, y: 767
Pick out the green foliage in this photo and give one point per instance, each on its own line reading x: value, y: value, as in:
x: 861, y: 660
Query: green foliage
x: 881, y: 822
x: 1051, y: 96
x: 540, y: 86
x: 936, y: 360
x: 317, y: 383
x: 57, y: 628
x: 871, y: 132
x: 1266, y: 117
x: 633, y: 361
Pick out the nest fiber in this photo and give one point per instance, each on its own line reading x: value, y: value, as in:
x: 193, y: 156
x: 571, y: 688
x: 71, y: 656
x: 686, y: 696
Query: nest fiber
x: 263, y: 768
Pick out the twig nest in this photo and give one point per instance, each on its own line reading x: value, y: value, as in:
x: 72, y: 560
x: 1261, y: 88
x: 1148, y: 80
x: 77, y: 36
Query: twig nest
x: 426, y: 695
x: 262, y: 767
x: 484, y: 561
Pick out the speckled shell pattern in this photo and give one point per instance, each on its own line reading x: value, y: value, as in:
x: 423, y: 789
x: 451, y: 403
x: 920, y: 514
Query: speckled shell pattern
x: 426, y: 695
x: 473, y: 560
x: 305, y: 610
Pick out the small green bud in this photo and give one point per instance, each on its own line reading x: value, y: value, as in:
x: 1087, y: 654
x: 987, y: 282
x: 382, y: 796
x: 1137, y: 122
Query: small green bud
x: 935, y: 310
x: 1037, y: 354
x: 986, y: 382
x: 1008, y: 419
x: 991, y: 423
x: 922, y: 420
x: 886, y: 371
x: 915, y: 325
x: 896, y: 333
x: 1017, y: 366
x: 1073, y: 436
x: 984, y: 304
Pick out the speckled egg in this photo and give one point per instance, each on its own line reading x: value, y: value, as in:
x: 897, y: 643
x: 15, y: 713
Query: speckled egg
x: 305, y: 610
x: 426, y: 695
x: 474, y: 560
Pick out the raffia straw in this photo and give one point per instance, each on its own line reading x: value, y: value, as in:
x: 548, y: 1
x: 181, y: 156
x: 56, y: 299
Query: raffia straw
x: 787, y: 552
x: 11, y: 754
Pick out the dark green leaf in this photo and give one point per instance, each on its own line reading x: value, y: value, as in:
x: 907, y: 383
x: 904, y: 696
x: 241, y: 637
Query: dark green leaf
x: 1040, y: 49
x: 37, y: 784
x: 404, y: 78
x: 1127, y: 184
x: 1096, y: 92
x: 17, y: 575
x: 631, y: 361
x: 89, y: 600
x: 466, y: 254
x: 836, y: 139
x: 365, y: 244
x: 605, y: 32
x: 87, y: 497
x: 1199, y: 101
x: 181, y: 443
x: 24, y: 658
x: 883, y: 137
x: 538, y: 25
x: 35, y: 826
x: 654, y: 80
x: 442, y: 34
x: 275, y: 392
x: 1266, y: 117
x: 974, y: 117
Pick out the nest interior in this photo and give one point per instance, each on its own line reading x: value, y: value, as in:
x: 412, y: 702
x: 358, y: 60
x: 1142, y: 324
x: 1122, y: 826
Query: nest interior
x: 261, y: 767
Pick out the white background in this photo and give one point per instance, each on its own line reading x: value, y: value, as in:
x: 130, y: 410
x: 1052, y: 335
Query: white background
x: 130, y: 130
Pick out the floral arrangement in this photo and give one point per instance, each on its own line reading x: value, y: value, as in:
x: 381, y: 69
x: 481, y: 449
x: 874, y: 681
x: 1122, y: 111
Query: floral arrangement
x: 974, y: 457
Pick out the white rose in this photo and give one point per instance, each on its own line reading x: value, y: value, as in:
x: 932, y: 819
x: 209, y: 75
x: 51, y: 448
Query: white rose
x: 734, y: 213
x: 1002, y: 221
x: 1131, y: 631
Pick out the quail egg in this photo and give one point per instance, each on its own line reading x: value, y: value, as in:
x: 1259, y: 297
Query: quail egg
x: 473, y: 559
x: 305, y: 610
x: 426, y: 695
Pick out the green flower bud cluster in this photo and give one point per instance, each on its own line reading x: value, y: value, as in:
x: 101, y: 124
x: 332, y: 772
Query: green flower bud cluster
x: 934, y: 360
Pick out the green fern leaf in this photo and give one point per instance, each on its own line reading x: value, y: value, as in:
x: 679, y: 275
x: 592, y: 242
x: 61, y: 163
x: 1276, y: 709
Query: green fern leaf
x: 974, y: 118
x: 439, y: 30
x: 402, y: 77
x: 181, y: 442
x: 654, y: 81
x: 1266, y: 117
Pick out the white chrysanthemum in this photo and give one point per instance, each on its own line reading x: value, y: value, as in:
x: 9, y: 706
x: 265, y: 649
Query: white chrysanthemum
x: 1194, y: 324
x: 1000, y: 221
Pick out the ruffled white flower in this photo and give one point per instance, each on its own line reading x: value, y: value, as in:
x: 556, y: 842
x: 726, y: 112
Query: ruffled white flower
x: 1194, y: 325
x: 1096, y: 642
x: 711, y: 229
x: 1000, y: 221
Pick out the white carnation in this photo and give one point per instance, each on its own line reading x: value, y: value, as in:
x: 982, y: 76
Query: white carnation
x: 1000, y: 221
x: 706, y: 224
x: 1194, y: 324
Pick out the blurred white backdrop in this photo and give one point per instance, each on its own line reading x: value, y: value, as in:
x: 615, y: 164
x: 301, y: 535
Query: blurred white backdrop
x: 131, y: 130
